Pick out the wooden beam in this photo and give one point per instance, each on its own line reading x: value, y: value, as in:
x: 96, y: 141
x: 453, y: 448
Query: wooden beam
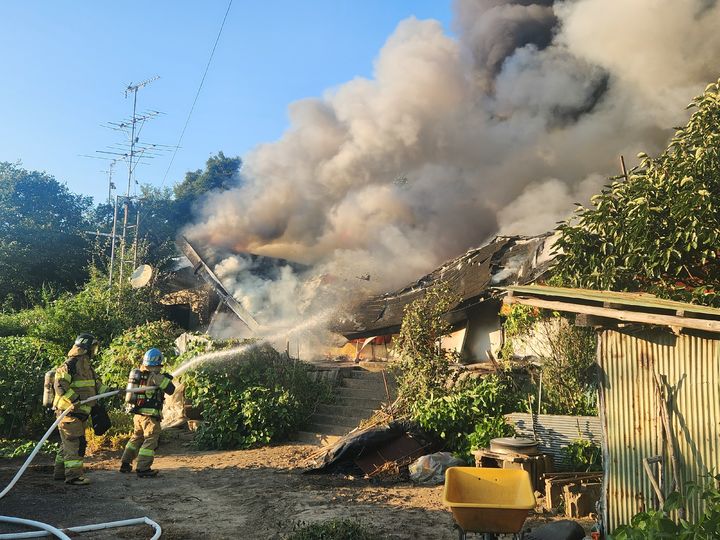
x: 619, y: 314
x: 582, y: 319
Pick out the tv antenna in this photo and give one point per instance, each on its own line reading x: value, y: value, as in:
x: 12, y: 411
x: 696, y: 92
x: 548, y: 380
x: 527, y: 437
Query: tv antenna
x: 134, y: 152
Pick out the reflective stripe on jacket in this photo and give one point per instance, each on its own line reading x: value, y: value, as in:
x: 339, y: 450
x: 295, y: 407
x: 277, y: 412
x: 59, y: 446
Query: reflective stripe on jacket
x: 154, y: 398
x: 75, y: 380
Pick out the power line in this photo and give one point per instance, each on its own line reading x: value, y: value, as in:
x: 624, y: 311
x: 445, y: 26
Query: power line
x: 197, y: 94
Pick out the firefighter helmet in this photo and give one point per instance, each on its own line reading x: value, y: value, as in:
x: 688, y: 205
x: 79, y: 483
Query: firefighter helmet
x: 153, y: 358
x: 88, y: 342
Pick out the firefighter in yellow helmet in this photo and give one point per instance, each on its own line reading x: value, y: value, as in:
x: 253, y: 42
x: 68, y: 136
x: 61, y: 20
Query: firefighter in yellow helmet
x: 147, y: 407
x: 75, y: 381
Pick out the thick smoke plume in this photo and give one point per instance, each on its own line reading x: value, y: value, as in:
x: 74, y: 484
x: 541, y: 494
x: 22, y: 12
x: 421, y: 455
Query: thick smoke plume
x: 456, y: 139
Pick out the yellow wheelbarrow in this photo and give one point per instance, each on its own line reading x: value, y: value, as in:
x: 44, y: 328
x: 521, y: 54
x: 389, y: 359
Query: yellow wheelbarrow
x: 489, y: 501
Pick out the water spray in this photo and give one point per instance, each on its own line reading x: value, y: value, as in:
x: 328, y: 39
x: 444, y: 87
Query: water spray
x: 312, y: 322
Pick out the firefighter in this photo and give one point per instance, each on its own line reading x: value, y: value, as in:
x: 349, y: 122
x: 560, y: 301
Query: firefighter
x: 75, y: 381
x: 147, y: 407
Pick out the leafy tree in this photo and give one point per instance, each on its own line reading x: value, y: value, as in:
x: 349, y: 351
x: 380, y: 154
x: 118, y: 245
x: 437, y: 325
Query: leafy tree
x: 220, y: 173
x: 95, y: 309
x: 41, y: 240
x: 659, y: 231
x: 165, y: 212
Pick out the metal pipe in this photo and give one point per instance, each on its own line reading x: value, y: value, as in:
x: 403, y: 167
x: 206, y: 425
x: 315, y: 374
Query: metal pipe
x: 47, y: 529
x: 86, y: 528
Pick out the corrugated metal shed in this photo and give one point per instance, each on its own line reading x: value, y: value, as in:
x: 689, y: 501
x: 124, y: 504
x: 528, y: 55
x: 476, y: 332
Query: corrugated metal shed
x: 555, y: 432
x: 629, y: 358
x: 690, y: 368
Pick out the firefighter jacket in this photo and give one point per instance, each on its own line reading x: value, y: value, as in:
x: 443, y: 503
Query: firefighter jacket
x: 150, y: 402
x: 75, y: 380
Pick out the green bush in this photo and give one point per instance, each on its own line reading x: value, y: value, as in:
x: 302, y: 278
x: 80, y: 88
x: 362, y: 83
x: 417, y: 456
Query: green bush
x: 14, y: 324
x: 23, y: 363
x: 487, y: 429
x: 335, y: 529
x: 253, y: 398
x: 657, y: 524
x: 582, y: 455
x: 126, y: 351
x: 114, y: 438
x: 14, y: 448
x: 567, y: 355
x: 95, y: 309
x: 470, y: 415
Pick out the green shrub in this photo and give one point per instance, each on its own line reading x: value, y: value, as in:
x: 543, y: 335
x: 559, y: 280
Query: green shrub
x: 95, y: 309
x: 14, y: 324
x: 115, y: 437
x: 657, y: 524
x: 254, y: 397
x: 13, y: 448
x: 126, y: 351
x: 567, y: 354
x: 487, y: 429
x: 335, y: 529
x: 583, y: 455
x: 23, y: 363
x: 475, y: 408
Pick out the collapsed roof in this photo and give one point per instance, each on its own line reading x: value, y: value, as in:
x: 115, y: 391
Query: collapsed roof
x: 475, y: 276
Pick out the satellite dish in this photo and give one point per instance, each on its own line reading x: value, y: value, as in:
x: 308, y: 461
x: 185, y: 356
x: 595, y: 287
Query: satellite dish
x: 141, y: 276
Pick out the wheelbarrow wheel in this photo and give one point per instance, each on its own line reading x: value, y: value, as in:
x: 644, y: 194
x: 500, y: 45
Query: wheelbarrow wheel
x: 461, y: 534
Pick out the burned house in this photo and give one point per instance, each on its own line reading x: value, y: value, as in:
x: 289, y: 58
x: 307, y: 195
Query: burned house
x: 476, y: 277
x: 196, y: 298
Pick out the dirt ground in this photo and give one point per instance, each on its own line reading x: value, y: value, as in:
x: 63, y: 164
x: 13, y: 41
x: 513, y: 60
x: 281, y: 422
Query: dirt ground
x: 244, y: 494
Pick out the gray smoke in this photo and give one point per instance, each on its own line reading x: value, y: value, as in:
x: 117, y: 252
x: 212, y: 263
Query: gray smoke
x: 454, y: 140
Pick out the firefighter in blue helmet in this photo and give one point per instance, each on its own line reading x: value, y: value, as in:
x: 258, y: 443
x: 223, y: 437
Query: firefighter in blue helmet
x: 147, y: 407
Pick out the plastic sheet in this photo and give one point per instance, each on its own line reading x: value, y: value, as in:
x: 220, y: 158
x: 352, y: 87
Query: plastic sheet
x: 430, y: 470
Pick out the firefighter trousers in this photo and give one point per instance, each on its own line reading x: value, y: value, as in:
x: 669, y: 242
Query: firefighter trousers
x: 68, y: 461
x: 144, y: 441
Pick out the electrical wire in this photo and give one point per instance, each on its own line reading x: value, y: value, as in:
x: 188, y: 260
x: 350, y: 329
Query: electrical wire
x: 197, y: 94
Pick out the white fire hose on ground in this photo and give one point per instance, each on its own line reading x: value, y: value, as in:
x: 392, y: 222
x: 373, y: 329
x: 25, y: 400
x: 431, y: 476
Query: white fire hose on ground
x: 48, y: 530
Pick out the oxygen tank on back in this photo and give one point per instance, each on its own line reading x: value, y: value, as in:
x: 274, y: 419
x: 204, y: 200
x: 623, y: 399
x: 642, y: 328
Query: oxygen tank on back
x: 49, y: 389
x: 134, y: 382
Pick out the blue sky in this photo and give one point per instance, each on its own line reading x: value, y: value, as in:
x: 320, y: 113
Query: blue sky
x: 66, y: 64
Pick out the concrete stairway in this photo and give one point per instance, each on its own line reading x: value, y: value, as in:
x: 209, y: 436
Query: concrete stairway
x: 359, y: 393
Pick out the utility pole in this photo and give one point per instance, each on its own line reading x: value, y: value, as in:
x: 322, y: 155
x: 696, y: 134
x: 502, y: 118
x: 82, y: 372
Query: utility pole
x: 134, y: 138
x: 126, y: 226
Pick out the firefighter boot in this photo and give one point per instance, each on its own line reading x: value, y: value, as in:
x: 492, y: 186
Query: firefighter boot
x: 125, y: 467
x: 148, y: 473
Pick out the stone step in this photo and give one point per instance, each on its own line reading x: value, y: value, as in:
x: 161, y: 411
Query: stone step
x: 316, y: 438
x: 363, y: 374
x: 343, y: 393
x: 329, y: 429
x: 347, y: 421
x: 344, y: 410
x: 361, y: 403
x: 365, y: 384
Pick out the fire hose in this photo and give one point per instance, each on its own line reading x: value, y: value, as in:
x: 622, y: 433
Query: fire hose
x: 46, y: 529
